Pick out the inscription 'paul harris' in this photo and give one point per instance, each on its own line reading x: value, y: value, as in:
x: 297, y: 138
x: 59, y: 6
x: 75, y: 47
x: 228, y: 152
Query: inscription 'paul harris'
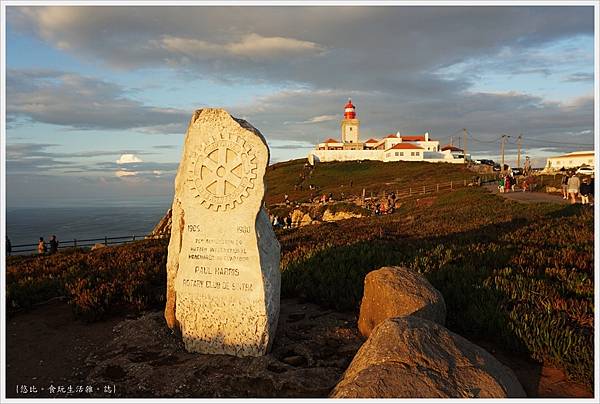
x: 223, y: 277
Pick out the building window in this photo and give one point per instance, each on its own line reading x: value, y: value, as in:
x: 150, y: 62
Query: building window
x: 397, y: 154
x: 412, y: 153
x: 402, y: 153
x: 387, y: 155
x: 590, y: 161
x: 418, y: 153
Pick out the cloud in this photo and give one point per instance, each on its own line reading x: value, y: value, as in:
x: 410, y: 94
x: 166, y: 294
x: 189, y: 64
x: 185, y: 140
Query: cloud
x: 35, y: 158
x: 123, y: 173
x: 165, y: 146
x: 317, y: 119
x: 251, y: 46
x: 128, y: 159
x: 580, y: 77
x: 407, y: 68
x: 80, y: 102
x: 484, y: 114
x: 360, y: 47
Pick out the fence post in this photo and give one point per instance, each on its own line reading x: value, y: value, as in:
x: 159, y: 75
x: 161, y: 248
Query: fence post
x: 133, y: 238
x: 423, y: 189
x: 437, y: 187
x: 105, y: 240
x: 74, y: 242
x: 409, y: 191
x: 465, y: 184
x: 450, y: 184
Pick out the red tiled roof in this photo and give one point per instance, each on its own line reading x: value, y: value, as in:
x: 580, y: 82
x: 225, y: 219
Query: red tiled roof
x: 419, y: 138
x: 372, y: 141
x: 405, y: 146
x: 330, y: 140
x: 452, y: 148
x: 393, y: 135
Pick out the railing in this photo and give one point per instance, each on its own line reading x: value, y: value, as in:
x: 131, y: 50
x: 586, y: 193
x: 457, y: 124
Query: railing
x: 414, y: 191
x: 75, y: 243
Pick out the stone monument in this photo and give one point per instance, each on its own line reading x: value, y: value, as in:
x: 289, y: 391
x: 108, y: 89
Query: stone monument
x: 223, y: 278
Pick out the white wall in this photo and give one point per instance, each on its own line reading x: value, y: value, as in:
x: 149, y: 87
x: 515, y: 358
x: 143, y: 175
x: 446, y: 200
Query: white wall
x: 569, y: 162
x: 324, y: 156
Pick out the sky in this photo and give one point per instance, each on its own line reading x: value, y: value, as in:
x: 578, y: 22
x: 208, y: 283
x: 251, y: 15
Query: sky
x: 98, y: 98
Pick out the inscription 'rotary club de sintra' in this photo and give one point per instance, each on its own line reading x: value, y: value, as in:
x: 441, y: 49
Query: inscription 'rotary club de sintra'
x: 223, y: 172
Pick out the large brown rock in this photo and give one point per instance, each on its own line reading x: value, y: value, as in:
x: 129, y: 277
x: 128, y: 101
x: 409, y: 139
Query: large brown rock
x: 396, y: 292
x: 411, y: 357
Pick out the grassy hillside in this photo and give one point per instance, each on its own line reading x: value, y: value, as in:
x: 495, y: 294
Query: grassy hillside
x: 351, y: 177
x: 518, y: 275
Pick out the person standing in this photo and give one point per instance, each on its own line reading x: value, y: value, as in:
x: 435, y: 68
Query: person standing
x: 573, y: 187
x: 41, y: 246
x: 53, y: 245
x: 8, y: 246
x: 507, y: 183
x: 563, y: 184
x: 288, y: 222
x: 585, y: 190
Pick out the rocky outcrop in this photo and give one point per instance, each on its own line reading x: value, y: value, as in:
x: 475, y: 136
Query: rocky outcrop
x: 163, y: 227
x: 328, y: 216
x: 145, y: 358
x: 395, y: 292
x: 409, y: 357
x: 300, y: 218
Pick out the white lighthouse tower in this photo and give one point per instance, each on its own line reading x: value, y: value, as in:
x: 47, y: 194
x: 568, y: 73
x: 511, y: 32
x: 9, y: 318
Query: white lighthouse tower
x: 350, y: 128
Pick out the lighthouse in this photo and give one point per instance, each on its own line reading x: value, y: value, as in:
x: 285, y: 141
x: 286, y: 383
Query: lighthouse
x: 350, y: 128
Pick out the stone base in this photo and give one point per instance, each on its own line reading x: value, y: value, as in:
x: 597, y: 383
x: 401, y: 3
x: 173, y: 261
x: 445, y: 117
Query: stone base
x: 217, y: 326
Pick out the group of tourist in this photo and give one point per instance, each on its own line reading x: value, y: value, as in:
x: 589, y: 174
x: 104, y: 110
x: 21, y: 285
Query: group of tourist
x: 42, y: 249
x: 385, y: 207
x: 281, y: 222
x: 574, y: 188
x: 507, y: 181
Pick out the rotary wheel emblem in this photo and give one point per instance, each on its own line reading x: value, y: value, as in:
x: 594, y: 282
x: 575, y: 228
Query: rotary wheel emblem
x: 223, y: 172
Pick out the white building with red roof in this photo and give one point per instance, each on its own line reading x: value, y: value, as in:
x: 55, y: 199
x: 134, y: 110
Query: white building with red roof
x: 393, y: 147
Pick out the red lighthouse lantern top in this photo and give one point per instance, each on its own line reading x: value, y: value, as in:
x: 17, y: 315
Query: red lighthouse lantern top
x: 349, y: 110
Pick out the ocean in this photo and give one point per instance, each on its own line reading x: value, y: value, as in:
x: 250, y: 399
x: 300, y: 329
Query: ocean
x: 27, y: 225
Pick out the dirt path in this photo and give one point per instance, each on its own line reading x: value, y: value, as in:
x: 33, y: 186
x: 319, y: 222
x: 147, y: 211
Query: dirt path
x: 528, y: 197
x: 47, y: 347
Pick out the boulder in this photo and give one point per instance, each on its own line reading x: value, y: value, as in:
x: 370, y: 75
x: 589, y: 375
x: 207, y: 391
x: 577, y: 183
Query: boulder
x: 410, y: 357
x: 395, y: 292
x: 306, y: 220
x: 299, y: 218
x: 328, y: 216
x: 98, y: 246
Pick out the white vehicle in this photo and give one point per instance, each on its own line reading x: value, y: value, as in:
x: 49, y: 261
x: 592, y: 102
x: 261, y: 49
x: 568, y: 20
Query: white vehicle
x: 585, y: 170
